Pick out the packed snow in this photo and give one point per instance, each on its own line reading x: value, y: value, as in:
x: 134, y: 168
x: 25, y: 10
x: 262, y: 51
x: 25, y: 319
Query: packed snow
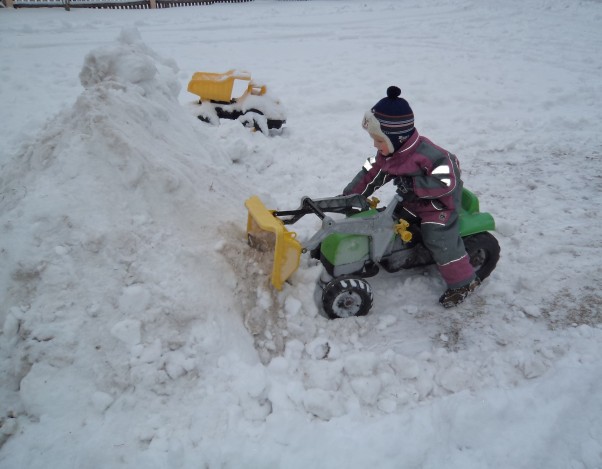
x: 138, y: 328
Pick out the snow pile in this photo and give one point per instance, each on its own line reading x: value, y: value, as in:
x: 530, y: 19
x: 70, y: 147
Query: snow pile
x: 92, y: 210
x: 139, y: 329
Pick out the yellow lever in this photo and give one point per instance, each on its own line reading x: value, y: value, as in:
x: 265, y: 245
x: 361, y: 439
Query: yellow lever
x: 402, y: 230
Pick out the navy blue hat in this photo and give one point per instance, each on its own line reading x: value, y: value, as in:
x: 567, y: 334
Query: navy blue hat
x: 391, y: 118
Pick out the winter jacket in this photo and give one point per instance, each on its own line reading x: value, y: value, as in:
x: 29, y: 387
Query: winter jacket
x: 433, y: 173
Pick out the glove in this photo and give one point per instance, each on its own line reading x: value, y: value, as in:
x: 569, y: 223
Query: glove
x: 405, y: 187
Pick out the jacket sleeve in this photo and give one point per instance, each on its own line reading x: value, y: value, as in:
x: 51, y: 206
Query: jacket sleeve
x: 439, y: 178
x: 368, y: 179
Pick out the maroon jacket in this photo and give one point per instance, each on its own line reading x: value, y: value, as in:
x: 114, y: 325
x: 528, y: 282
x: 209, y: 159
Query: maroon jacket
x: 434, y: 174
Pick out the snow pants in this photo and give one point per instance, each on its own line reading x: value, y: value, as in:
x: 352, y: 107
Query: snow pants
x: 447, y: 248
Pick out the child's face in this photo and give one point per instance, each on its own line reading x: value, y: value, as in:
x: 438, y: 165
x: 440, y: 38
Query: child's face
x: 380, y: 144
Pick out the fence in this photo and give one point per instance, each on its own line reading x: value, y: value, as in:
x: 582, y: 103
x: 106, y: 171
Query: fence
x: 114, y: 4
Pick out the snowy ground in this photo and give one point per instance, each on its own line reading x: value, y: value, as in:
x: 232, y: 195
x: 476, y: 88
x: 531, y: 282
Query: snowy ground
x: 136, y: 331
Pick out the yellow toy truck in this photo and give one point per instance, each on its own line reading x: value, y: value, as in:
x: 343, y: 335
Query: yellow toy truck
x: 255, y: 109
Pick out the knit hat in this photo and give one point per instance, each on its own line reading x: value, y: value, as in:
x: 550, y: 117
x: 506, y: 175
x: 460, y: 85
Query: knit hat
x: 391, y: 118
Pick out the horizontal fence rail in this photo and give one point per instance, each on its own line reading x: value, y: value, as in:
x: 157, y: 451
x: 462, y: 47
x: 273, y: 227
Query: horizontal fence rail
x: 113, y: 4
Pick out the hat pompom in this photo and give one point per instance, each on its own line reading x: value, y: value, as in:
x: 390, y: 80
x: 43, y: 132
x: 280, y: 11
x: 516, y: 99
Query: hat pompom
x: 393, y: 92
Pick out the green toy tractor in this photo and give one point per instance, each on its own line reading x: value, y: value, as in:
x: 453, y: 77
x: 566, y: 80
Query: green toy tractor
x: 360, y: 241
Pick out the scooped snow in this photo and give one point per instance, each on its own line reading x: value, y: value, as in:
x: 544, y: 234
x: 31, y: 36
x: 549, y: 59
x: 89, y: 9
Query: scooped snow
x: 138, y: 329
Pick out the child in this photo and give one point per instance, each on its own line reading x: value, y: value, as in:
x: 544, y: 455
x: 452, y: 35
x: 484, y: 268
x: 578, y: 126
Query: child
x: 428, y: 179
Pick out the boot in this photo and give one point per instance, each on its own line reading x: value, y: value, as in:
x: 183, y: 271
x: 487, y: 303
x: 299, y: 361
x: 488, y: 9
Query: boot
x: 454, y: 296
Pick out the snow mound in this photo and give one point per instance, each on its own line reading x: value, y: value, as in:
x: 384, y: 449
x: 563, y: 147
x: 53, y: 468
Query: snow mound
x: 132, y: 62
x: 93, y: 208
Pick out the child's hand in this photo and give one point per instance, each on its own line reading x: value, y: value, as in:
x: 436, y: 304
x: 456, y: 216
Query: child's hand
x: 405, y: 187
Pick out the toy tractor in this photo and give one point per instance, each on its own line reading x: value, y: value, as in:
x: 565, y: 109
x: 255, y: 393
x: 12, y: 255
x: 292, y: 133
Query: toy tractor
x: 355, y: 245
x: 255, y: 108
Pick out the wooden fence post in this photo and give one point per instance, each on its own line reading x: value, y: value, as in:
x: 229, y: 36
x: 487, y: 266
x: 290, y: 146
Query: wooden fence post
x: 9, y: 3
x: 153, y: 3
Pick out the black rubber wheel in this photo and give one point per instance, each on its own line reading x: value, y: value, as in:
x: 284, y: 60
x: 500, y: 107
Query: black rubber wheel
x: 345, y: 297
x: 484, y: 252
x: 275, y: 124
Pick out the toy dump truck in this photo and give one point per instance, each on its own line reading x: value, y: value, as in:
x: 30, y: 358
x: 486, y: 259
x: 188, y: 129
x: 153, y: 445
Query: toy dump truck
x: 255, y: 108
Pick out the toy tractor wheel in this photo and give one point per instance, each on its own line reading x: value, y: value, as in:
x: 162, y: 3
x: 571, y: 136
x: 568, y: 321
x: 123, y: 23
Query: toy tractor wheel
x: 484, y: 252
x: 345, y: 297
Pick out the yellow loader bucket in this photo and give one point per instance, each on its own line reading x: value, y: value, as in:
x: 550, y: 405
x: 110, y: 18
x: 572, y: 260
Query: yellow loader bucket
x: 266, y: 232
